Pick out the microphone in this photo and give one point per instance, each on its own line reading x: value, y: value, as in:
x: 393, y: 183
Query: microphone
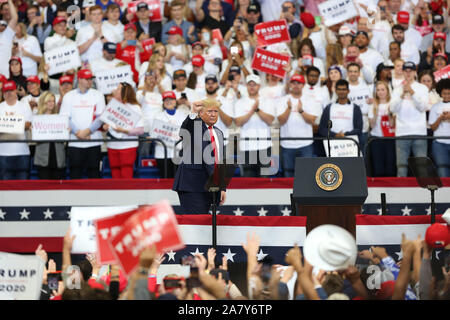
x: 329, y: 126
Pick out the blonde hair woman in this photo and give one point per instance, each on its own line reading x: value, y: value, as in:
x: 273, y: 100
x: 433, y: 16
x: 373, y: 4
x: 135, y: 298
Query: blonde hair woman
x: 382, y: 151
x: 28, y: 49
x: 157, y: 65
x: 49, y: 157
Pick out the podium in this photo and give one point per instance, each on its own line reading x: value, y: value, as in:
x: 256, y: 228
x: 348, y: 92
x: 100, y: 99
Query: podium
x: 329, y: 191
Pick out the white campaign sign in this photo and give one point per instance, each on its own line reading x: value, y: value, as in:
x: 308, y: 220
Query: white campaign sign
x: 117, y: 114
x: 12, y: 124
x: 165, y: 131
x: 62, y: 59
x: 50, y: 127
x: 336, y: 11
x: 20, y: 277
x: 342, y: 148
x: 108, y: 80
x: 82, y: 225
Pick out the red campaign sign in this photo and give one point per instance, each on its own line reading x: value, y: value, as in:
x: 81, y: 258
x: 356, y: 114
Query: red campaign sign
x: 147, y: 44
x: 444, y: 73
x: 217, y: 35
x: 105, y: 229
x: 154, y: 7
x: 149, y: 225
x: 272, y: 32
x: 270, y: 62
x: 424, y: 30
x: 388, y: 131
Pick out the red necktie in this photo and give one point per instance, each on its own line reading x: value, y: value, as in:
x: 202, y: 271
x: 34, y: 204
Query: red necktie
x: 213, y: 142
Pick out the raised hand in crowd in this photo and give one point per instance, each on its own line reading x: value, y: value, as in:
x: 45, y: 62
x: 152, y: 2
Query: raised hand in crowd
x: 408, y: 248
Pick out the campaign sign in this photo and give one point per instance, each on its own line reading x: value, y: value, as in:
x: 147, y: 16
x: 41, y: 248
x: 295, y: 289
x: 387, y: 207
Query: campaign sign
x: 20, y: 276
x: 150, y: 225
x: 342, y: 148
x: 147, y: 44
x: 82, y: 225
x: 337, y: 11
x: 50, y: 127
x: 165, y: 131
x: 61, y: 59
x: 217, y: 36
x: 12, y: 124
x: 117, y: 114
x: 424, y: 30
x: 154, y: 7
x: 444, y: 73
x: 272, y: 32
x: 270, y: 62
x: 108, y: 80
x: 105, y: 229
x: 386, y: 128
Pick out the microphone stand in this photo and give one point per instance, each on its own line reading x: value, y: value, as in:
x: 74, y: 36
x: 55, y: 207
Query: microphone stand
x: 330, y: 125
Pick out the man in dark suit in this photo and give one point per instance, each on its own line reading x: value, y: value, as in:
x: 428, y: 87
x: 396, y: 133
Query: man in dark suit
x: 144, y: 27
x: 203, y: 148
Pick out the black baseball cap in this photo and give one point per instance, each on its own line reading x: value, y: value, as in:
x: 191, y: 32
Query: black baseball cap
x: 438, y: 19
x: 110, y: 47
x: 211, y: 77
x: 179, y: 73
x: 142, y: 5
x: 236, y: 69
x: 409, y: 65
x: 362, y: 32
x: 254, y: 7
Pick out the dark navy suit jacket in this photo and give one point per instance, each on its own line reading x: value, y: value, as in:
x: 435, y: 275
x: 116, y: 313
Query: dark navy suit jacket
x: 193, y: 172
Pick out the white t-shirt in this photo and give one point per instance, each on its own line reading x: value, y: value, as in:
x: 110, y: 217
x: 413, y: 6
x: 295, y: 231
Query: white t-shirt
x: 31, y: 45
x: 191, y: 95
x: 410, y: 111
x: 274, y: 92
x: 342, y: 117
x: 444, y: 126
x: 358, y: 95
x: 56, y: 41
x: 255, y: 127
x: 116, y: 145
x: 317, y: 93
x: 102, y: 64
x: 6, y: 42
x: 296, y: 126
x: 208, y: 68
x: 231, y: 95
x: 151, y: 103
x: 29, y: 98
x: 317, y: 62
x: 371, y: 58
x: 95, y: 50
x: 383, y: 110
x: 15, y: 149
x: 82, y: 109
x: 413, y: 36
x: 176, y: 64
x: 176, y: 120
x: 200, y: 85
x: 112, y: 33
x: 410, y: 52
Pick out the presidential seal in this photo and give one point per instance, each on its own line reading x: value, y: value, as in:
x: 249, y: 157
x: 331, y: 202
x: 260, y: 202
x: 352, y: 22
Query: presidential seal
x: 329, y: 177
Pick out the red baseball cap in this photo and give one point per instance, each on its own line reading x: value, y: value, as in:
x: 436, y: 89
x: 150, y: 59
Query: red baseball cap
x: 65, y: 79
x: 440, y: 35
x: 308, y: 20
x: 130, y: 25
x: 298, y: 78
x: 169, y: 94
x: 85, y: 74
x: 403, y: 17
x: 437, y: 235
x: 34, y: 79
x: 9, y: 85
x: 440, y: 54
x: 16, y: 59
x: 198, y: 43
x: 198, y: 61
x: 58, y: 20
x: 175, y: 30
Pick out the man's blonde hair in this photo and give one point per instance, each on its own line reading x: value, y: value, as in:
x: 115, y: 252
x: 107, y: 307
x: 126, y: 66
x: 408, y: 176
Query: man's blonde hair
x: 208, y: 103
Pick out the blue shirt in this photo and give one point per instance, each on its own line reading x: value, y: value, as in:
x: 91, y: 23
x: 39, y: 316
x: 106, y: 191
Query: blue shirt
x: 185, y: 25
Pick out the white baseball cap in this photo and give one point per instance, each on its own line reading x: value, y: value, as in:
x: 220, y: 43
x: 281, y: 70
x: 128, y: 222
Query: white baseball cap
x: 253, y: 77
x: 330, y: 247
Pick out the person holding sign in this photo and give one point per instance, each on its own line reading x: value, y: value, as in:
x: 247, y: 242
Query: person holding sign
x: 122, y: 155
x: 165, y: 126
x: 83, y: 105
x: 202, y: 148
x: 49, y: 157
x: 14, y: 157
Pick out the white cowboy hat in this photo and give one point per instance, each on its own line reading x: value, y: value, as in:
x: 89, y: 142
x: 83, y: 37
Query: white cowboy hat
x: 330, y: 247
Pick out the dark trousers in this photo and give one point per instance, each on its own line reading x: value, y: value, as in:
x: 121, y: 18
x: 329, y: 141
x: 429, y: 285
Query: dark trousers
x: 383, y: 158
x: 81, y: 159
x: 46, y: 173
x: 14, y: 167
x: 171, y: 168
x: 196, y: 202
